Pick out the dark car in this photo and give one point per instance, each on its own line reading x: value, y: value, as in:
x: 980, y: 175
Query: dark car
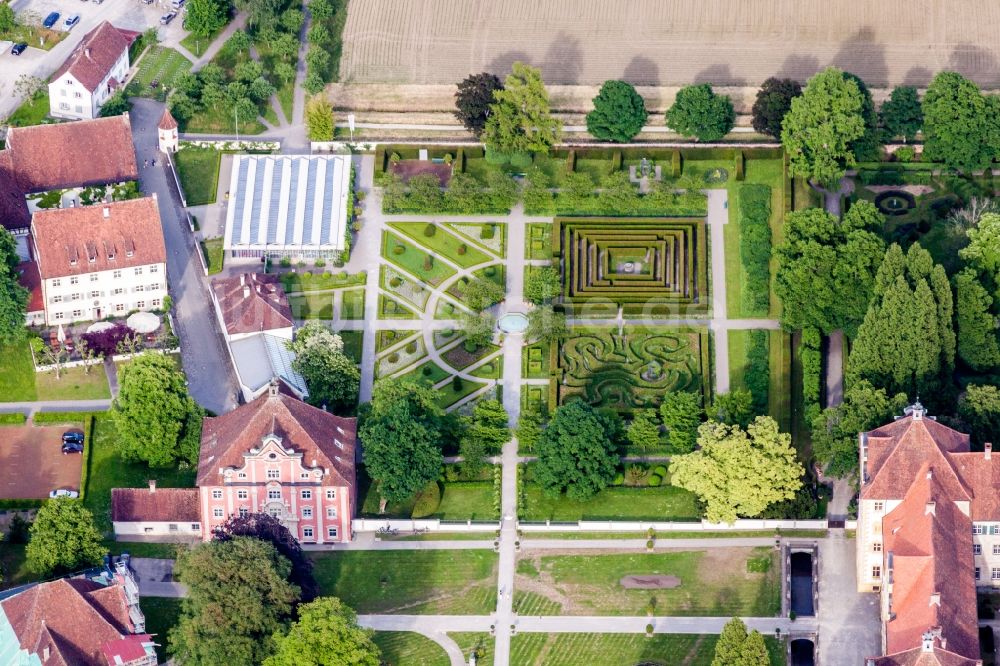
x: 70, y: 447
x: 73, y: 437
x: 18, y: 48
x: 50, y: 20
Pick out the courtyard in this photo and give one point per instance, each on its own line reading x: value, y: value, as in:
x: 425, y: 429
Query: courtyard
x: 32, y: 463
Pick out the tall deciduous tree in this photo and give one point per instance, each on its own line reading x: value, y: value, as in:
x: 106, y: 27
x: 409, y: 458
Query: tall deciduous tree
x: 822, y: 124
x: 332, y: 378
x: 473, y: 99
x: 906, y: 342
x: 983, y: 250
x: 238, y: 597
x: 402, y: 435
x: 697, y: 111
x: 13, y: 297
x: 901, y: 115
x: 266, y: 527
x: 542, y: 284
x: 319, y: 119
x: 576, y: 454
x: 478, y: 328
x: 774, y: 99
x: 63, y: 538
x: 545, y: 324
x: 157, y: 421
x: 835, y: 430
x: 326, y: 634
x: 733, y: 408
x: 644, y: 431
x: 8, y: 20
x: 681, y: 412
x: 730, y: 644
x: 961, y: 125
x: 867, y: 147
x: 206, y: 17
x: 826, y: 268
x: 520, y: 120
x: 979, y: 408
x: 480, y: 294
x: 739, y: 472
x: 978, y: 346
x: 486, y: 431
x: 619, y: 113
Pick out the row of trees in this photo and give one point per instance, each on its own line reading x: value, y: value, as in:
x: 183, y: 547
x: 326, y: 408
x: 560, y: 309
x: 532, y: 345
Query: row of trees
x: 210, y: 89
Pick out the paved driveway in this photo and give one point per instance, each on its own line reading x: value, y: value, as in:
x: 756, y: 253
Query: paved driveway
x: 130, y: 14
x: 849, y: 628
x: 32, y: 463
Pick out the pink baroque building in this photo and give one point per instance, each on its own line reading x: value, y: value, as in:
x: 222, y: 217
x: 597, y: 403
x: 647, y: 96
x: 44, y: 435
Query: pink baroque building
x: 281, y: 456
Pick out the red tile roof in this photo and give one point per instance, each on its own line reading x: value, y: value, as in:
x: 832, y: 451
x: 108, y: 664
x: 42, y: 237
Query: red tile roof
x: 163, y: 505
x: 252, y: 302
x: 918, y: 657
x: 128, y: 649
x: 31, y: 281
x: 167, y: 121
x: 319, y: 436
x: 87, y: 239
x: 14, y: 214
x: 73, y: 618
x: 928, y: 554
x: 96, y: 54
x: 77, y: 154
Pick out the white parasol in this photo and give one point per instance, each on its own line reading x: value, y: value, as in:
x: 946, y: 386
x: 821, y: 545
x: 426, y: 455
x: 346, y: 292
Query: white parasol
x: 99, y: 326
x: 61, y: 335
x: 143, y: 322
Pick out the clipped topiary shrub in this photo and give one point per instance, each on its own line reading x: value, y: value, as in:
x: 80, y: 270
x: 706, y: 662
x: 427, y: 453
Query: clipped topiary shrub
x: 428, y: 263
x: 398, y: 249
x: 393, y: 357
x: 487, y: 232
x: 490, y: 271
x: 411, y: 347
x: 654, y: 480
x: 462, y: 249
x: 618, y: 480
x: 660, y: 471
x: 456, y: 383
x: 395, y: 281
x: 428, y: 500
x: 430, y: 230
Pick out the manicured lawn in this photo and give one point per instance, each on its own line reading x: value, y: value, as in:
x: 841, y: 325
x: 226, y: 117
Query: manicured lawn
x: 198, y: 170
x: 73, y: 384
x: 197, y: 44
x: 294, y: 281
x: 312, y: 306
x: 352, y: 344
x: 17, y: 374
x: 106, y: 470
x: 13, y: 571
x: 469, y: 500
x: 402, y: 648
x: 221, y: 121
x: 535, y: 361
x: 442, y: 242
x: 615, y: 503
x: 32, y: 112
x: 430, y: 372
x: 353, y: 304
x: 391, y: 308
x: 481, y: 644
x: 413, y: 260
x: 451, y: 393
x: 529, y: 649
x: 286, y: 97
x: 538, y: 241
x: 36, y: 36
x: 431, y: 581
x: 215, y: 254
x: 715, y: 582
x: 160, y: 66
x: 161, y: 614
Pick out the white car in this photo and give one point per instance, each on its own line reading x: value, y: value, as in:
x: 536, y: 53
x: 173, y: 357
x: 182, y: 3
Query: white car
x: 63, y: 492
x: 71, y: 21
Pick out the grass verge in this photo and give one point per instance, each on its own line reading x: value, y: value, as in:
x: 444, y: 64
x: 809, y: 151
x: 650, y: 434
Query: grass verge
x: 198, y: 170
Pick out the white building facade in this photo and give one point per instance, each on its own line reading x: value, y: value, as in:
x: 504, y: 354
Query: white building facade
x: 91, y: 74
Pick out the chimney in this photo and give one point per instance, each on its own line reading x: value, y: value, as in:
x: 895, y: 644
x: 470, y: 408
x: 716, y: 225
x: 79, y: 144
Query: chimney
x: 107, y: 212
x: 86, y: 51
x: 152, y: 485
x: 246, y: 291
x: 930, y: 509
x: 930, y: 475
x: 936, y: 599
x: 988, y: 450
x: 243, y: 279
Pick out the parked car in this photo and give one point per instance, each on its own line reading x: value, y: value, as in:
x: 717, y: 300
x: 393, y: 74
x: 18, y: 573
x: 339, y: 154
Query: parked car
x: 71, y: 21
x: 74, y: 436
x: 147, y: 2
x: 50, y: 20
x: 18, y: 48
x: 177, y: 4
x: 63, y: 492
x: 72, y: 447
x: 167, y: 18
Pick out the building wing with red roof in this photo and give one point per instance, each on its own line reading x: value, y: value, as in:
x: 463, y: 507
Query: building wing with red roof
x: 92, y: 73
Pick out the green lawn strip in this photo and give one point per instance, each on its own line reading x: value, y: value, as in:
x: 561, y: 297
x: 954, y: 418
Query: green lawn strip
x: 106, y: 470
x: 198, y: 170
x: 353, y: 304
x: 353, y: 341
x: 220, y: 121
x: 739, y: 534
x: 35, y: 36
x: 17, y: 373
x: 443, y: 242
x: 391, y: 308
x: 480, y: 643
x: 451, y: 393
x: 270, y: 115
x: 614, y: 503
x: 699, y: 169
x: 779, y: 395
x: 402, y: 648
x: 531, y: 649
x: 312, y: 305
x: 197, y: 44
x: 472, y: 231
x: 214, y: 252
x: 715, y: 582
x: 538, y: 241
x: 413, y: 260
x: 73, y: 384
x: 445, y: 536
x: 428, y: 371
x: 535, y: 361
x: 33, y: 111
x: 491, y: 370
x: 294, y: 281
x: 446, y: 309
x: 451, y: 582
x: 467, y: 500
x: 532, y: 603
x: 286, y: 97
x: 737, y: 358
x: 13, y: 571
x: 162, y: 614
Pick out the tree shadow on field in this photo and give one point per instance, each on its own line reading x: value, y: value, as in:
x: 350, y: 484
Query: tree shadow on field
x: 798, y: 67
x: 501, y: 65
x: 974, y: 62
x: 719, y: 75
x: 642, y: 71
x: 863, y: 56
x: 562, y: 63
x: 918, y: 77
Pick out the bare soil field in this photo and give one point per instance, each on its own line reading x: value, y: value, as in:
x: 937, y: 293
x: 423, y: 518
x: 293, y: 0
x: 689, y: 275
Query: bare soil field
x: 656, y: 43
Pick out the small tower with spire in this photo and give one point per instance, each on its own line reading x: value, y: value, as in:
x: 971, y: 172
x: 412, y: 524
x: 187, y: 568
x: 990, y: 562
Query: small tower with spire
x: 167, y: 131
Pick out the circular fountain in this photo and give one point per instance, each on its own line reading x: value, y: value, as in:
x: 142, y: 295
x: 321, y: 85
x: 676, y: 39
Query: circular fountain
x: 513, y: 322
